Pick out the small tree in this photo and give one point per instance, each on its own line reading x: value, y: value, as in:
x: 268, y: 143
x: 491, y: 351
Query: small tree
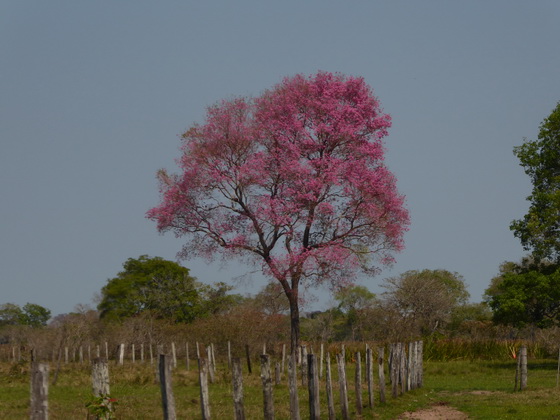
x: 31, y: 314
x: 35, y: 315
x: 539, y: 230
x: 151, y: 284
x: 526, y: 294
x: 423, y: 301
x: 356, y: 303
x: 10, y: 314
x: 293, y: 179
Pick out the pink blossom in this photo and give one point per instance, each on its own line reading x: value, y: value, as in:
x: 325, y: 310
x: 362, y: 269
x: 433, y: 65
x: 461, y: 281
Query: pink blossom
x: 294, y: 178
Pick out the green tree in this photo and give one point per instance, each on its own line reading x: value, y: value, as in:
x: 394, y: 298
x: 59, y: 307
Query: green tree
x: 355, y: 302
x: 423, y: 301
x: 526, y: 294
x: 468, y: 317
x: 163, y: 288
x: 271, y: 300
x: 35, y: 315
x: 539, y: 230
x: 10, y: 314
x: 216, y: 299
x: 354, y: 298
x: 31, y: 314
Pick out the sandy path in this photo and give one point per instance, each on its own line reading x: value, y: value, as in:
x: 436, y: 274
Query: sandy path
x: 438, y: 412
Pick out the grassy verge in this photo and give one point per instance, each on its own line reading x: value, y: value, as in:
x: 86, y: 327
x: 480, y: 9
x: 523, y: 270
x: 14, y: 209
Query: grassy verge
x: 482, y: 389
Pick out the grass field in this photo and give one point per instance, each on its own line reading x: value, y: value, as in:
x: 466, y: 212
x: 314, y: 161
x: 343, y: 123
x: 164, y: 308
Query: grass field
x: 481, y: 389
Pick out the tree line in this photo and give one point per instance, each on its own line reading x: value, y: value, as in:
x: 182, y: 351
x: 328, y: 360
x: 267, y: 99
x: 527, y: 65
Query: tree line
x: 152, y: 300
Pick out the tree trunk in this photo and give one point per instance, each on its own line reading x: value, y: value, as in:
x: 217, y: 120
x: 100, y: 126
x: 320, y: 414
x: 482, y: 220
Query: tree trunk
x: 294, y: 321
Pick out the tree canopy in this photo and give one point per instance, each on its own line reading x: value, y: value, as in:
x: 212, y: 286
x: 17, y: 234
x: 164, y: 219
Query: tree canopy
x: 424, y: 300
x: 525, y: 294
x: 30, y: 314
x: 161, y: 287
x: 294, y: 180
x: 539, y: 230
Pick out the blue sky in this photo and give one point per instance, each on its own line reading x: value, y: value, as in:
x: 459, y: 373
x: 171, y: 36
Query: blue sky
x: 94, y: 96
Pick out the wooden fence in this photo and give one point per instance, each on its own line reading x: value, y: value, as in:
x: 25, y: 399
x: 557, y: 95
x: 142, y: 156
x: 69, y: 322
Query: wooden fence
x: 404, y: 365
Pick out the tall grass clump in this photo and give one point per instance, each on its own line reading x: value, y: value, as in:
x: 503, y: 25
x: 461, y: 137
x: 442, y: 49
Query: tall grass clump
x: 443, y: 350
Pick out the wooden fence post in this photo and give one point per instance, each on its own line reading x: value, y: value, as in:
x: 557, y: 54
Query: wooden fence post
x: 358, y: 383
x: 523, y: 363
x: 321, y: 363
x: 409, y: 366
x: 394, y: 364
x: 213, y: 361
x: 420, y: 364
x: 203, y: 378
x: 342, y: 385
x: 174, y: 355
x: 558, y: 370
x: 100, y: 377
x: 100, y: 382
x: 167, y: 399
x: 413, y: 364
x: 277, y: 374
x: 188, y: 361
x: 304, y: 365
x: 369, y: 376
x: 248, y: 356
x: 237, y: 379
x: 121, y: 354
x: 210, y: 367
x: 402, y: 368
x: 381, y: 362
x: 39, y: 403
x: 229, y: 354
x: 313, y: 386
x: 328, y: 380
x: 292, y: 383
x: 284, y: 357
x: 267, y: 387
x: 517, y: 370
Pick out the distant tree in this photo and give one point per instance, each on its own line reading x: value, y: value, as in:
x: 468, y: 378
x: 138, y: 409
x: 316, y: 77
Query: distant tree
x: 271, y: 300
x: 10, y: 314
x: 539, y: 230
x: 355, y: 302
x: 423, y: 301
x: 355, y: 298
x: 325, y: 326
x: 293, y: 180
x: 161, y: 287
x: 35, y: 315
x: 31, y: 314
x: 526, y: 294
x: 216, y: 299
x: 469, y: 318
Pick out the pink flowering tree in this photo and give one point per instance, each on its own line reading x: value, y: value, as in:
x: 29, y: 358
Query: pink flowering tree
x: 293, y: 180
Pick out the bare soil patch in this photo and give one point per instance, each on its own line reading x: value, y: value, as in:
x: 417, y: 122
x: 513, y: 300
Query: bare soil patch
x: 437, y: 412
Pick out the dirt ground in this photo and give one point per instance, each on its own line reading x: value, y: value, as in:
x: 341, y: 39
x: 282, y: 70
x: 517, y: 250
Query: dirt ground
x: 437, y: 412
